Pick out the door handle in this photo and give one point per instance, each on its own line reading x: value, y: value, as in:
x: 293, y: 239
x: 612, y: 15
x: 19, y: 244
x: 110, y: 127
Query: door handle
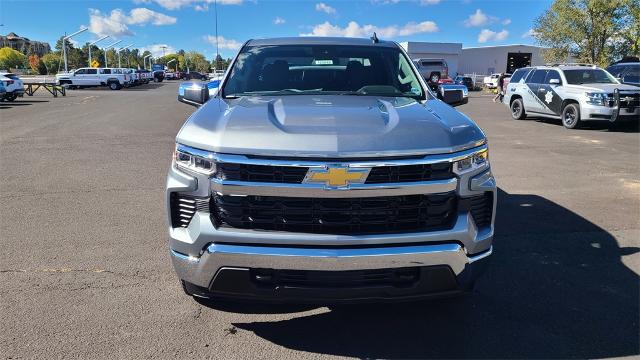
x: 542, y: 90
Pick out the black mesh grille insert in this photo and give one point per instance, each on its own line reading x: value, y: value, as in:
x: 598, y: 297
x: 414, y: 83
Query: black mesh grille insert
x: 261, y: 173
x: 481, y: 208
x: 295, y: 175
x: 184, y: 207
x: 377, y: 215
x: 397, y: 277
x: 409, y: 173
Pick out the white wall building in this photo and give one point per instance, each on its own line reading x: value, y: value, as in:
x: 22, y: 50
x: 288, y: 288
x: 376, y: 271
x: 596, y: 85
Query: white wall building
x: 479, y: 60
x: 497, y: 59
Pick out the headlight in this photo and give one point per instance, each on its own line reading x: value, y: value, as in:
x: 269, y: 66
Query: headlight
x: 195, y: 160
x: 597, y: 98
x: 465, y: 92
x: 474, y: 161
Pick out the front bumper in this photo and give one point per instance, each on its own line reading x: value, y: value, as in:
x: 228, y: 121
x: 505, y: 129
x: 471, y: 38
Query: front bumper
x: 439, y: 269
x: 221, y: 261
x: 604, y: 113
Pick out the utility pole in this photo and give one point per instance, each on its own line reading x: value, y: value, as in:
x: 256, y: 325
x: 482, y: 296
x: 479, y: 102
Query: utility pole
x: 163, y: 48
x: 107, y: 49
x: 119, y: 50
x: 145, y: 61
x: 215, y: 10
x: 64, y: 46
x: 93, y: 43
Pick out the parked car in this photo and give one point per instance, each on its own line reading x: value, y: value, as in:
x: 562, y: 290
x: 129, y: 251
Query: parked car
x: 3, y: 90
x: 464, y: 80
x: 191, y: 75
x: 296, y: 179
x: 144, y: 75
x: 432, y: 70
x: 13, y: 86
x: 170, y: 75
x: 572, y: 93
x: 626, y: 72
x: 114, y: 78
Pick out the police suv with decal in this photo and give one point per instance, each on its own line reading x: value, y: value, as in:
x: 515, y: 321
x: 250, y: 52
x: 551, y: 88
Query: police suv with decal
x: 573, y: 93
x: 324, y: 169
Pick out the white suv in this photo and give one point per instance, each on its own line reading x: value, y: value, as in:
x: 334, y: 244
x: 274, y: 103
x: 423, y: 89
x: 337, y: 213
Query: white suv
x: 13, y: 85
x: 572, y: 93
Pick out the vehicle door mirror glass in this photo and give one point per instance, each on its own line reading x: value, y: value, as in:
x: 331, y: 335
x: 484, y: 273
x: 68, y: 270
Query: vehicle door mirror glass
x: 213, y: 87
x: 193, y: 93
x: 554, y: 81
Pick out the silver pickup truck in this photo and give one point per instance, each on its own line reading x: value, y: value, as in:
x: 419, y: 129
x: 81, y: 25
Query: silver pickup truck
x: 324, y: 170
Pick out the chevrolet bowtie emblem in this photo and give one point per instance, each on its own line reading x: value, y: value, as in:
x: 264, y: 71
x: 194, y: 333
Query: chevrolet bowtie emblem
x: 336, y: 176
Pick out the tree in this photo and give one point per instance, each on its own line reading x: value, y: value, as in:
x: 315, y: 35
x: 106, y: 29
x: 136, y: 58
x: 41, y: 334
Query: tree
x: 52, y: 62
x: 34, y: 60
x: 197, y: 61
x: 42, y: 68
x: 11, y: 59
x: 586, y: 29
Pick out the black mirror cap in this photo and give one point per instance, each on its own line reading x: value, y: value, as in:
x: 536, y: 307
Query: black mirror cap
x: 193, y: 93
x: 452, y: 94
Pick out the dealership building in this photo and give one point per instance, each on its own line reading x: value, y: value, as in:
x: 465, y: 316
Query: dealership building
x: 476, y: 60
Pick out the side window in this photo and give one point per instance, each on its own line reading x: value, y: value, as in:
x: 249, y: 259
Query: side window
x: 615, y: 70
x: 519, y: 74
x: 537, y: 77
x: 106, y: 71
x: 81, y: 71
x: 92, y: 71
x: 552, y: 74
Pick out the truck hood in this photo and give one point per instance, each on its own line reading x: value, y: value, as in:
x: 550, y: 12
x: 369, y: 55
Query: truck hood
x: 608, y: 88
x: 329, y: 126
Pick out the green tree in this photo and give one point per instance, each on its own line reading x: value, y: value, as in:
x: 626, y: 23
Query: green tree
x: 52, y: 62
x: 197, y: 61
x: 42, y: 68
x: 585, y: 29
x: 12, y: 59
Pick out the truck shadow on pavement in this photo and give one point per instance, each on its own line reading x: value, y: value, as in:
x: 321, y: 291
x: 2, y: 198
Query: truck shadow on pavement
x: 556, y: 287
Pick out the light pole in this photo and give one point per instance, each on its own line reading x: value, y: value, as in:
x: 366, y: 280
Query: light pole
x: 144, y: 60
x: 163, y: 47
x: 107, y: 48
x: 119, y: 50
x: 93, y: 43
x: 64, y: 46
x: 170, y: 61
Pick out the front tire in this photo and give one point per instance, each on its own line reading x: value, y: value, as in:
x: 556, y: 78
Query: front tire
x: 517, y: 110
x: 571, y: 116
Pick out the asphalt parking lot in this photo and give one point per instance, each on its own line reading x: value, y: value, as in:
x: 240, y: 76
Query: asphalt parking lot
x: 85, y: 270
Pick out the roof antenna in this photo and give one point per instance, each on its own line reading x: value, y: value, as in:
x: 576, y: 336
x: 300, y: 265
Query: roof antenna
x: 375, y: 39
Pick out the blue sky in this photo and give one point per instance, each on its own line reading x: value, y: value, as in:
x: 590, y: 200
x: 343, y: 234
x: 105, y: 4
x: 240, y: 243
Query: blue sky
x: 190, y: 24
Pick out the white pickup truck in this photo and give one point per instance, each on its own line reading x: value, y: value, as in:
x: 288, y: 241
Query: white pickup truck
x: 491, y: 81
x: 114, y: 78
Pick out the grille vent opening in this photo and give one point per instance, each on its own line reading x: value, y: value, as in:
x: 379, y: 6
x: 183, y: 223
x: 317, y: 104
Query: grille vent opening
x: 184, y: 207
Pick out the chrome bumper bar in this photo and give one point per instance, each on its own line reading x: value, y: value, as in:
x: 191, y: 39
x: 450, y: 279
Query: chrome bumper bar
x: 201, y: 270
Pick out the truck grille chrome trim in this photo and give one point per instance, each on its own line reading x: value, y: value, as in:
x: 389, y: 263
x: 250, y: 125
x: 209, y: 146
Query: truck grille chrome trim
x: 241, y: 188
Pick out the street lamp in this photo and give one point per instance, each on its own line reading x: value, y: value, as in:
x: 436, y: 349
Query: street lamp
x: 119, y: 50
x: 144, y: 60
x: 107, y: 48
x: 93, y: 43
x: 64, y: 46
x: 170, y: 61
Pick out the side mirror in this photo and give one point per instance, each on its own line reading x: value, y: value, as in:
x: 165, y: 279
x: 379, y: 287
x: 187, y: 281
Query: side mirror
x: 213, y: 87
x: 554, y: 81
x: 453, y: 95
x: 193, y: 93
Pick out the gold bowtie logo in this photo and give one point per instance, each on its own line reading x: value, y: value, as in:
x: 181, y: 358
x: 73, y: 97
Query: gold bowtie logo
x: 337, y: 176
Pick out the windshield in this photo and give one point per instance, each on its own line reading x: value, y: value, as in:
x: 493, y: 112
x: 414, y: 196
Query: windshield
x: 321, y: 69
x: 589, y: 76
